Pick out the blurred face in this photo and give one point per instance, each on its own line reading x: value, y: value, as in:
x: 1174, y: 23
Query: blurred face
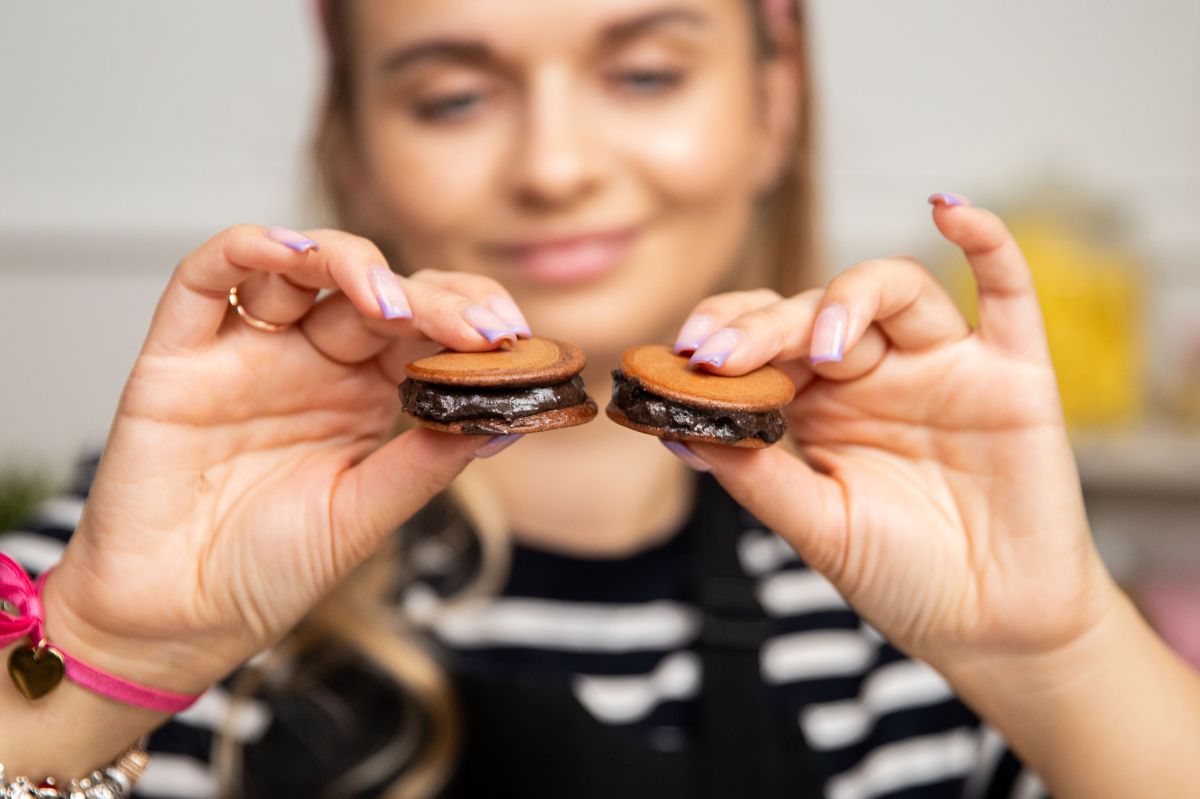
x: 600, y: 158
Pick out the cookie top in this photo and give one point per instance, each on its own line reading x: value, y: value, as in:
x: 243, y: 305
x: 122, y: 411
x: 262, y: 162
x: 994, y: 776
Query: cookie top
x: 531, y: 362
x: 668, y: 375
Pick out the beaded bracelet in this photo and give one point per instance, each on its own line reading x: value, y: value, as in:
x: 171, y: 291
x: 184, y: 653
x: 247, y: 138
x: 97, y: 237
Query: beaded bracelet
x: 115, y: 781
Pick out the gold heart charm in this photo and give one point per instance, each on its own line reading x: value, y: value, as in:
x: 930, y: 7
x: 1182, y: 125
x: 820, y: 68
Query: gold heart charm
x: 36, y: 672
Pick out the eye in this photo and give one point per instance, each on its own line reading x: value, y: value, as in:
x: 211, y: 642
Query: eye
x: 449, y: 107
x: 646, y: 81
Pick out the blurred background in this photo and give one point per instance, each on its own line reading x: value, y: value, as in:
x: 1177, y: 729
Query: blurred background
x: 131, y: 131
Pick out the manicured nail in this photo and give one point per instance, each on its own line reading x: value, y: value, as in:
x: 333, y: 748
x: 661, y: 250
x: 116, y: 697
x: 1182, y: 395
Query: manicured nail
x: 507, y: 310
x: 490, y: 326
x: 495, y: 444
x: 291, y: 239
x: 685, y: 454
x: 829, y: 334
x: 389, y: 293
x: 717, y: 348
x: 693, y: 333
x: 947, y: 199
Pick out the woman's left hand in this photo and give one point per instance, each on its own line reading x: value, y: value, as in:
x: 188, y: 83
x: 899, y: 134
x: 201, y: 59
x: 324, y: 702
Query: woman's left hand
x: 934, y: 484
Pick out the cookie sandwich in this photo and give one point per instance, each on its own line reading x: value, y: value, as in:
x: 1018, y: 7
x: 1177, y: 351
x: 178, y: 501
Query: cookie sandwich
x: 656, y: 392
x: 533, y: 386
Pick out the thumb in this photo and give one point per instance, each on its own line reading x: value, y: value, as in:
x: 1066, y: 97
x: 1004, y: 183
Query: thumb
x: 383, y: 491
x: 802, y: 505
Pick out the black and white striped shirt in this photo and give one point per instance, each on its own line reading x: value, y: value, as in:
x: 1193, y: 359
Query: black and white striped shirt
x: 603, y: 657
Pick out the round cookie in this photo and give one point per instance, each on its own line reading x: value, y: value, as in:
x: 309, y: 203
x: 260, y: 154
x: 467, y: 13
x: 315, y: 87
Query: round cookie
x: 530, y: 362
x: 533, y: 386
x: 656, y: 392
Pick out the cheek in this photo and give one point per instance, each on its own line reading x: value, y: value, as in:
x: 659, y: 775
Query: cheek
x: 698, y: 162
x: 430, y: 184
x: 699, y: 156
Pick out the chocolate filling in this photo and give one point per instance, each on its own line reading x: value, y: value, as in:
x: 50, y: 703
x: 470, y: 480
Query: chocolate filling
x: 645, y: 407
x: 442, y: 403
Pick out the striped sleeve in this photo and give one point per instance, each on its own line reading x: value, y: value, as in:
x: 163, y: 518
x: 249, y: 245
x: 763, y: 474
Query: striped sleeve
x: 998, y: 774
x: 881, y: 723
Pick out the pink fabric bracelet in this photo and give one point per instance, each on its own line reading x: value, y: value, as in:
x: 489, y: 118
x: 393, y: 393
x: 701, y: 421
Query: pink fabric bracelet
x: 34, y: 670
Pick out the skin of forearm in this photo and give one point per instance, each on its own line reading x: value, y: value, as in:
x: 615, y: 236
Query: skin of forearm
x: 1113, y: 714
x: 68, y: 733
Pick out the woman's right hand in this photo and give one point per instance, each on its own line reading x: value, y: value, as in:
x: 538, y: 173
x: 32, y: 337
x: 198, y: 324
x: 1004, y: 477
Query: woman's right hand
x: 246, y: 471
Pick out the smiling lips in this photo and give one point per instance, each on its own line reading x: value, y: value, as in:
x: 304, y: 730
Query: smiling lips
x: 566, y: 261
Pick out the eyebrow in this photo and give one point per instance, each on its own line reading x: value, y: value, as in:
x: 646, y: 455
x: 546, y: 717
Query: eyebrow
x: 475, y: 52
x: 620, y: 32
x: 438, y: 50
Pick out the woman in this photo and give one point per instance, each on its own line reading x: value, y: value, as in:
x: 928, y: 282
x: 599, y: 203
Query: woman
x: 608, y: 173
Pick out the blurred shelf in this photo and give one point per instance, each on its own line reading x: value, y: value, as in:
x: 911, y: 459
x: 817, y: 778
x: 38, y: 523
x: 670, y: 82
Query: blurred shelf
x: 1155, y: 460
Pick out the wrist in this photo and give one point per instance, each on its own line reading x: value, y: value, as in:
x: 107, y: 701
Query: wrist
x: 155, y: 663
x: 1052, y: 668
x: 1109, y: 713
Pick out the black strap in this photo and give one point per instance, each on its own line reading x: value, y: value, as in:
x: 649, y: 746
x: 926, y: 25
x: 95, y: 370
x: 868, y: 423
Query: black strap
x: 747, y: 745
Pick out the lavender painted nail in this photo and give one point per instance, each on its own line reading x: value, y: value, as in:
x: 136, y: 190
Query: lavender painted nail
x: 685, y: 454
x: 389, y: 293
x: 947, y: 199
x: 496, y: 444
x: 829, y: 334
x: 291, y: 239
x: 693, y: 333
x: 490, y: 326
x: 507, y: 310
x: 717, y: 348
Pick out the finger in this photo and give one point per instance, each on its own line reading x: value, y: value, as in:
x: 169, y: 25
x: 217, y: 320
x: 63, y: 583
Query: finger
x: 484, y: 291
x: 376, y: 496
x: 273, y: 298
x: 899, y: 295
x: 194, y: 304
x: 339, y: 331
x: 190, y: 312
x: 336, y: 329
x: 788, y: 496
x: 868, y: 352
x: 196, y: 299
x: 455, y: 320
x: 1009, y: 314
x: 398, y: 354
x: 714, y: 312
x: 780, y: 333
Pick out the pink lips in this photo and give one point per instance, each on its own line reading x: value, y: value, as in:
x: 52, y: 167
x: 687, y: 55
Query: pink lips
x: 566, y: 261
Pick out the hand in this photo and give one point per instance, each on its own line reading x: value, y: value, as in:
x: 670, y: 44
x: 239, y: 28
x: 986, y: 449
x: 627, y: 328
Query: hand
x: 935, y: 485
x: 245, y: 473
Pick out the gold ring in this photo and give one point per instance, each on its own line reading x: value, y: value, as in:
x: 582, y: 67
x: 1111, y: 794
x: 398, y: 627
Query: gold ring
x: 254, y: 321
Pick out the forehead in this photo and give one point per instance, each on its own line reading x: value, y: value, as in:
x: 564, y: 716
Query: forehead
x: 528, y: 27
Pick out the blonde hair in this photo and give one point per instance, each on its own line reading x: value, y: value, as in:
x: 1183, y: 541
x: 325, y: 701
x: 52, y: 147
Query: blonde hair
x: 361, y: 614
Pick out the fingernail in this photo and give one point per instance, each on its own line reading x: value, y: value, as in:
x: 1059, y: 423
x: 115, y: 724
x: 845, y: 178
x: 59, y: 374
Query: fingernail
x: 718, y: 347
x: 389, y: 293
x: 685, y: 454
x: 291, y: 239
x: 947, y: 199
x: 829, y: 334
x: 490, y: 326
x: 693, y: 333
x: 495, y: 444
x: 507, y: 310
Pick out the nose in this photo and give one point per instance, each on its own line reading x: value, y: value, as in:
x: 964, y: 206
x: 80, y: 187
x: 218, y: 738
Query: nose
x: 557, y: 162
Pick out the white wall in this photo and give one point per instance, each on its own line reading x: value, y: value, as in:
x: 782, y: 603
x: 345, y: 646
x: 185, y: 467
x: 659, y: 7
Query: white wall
x: 130, y: 131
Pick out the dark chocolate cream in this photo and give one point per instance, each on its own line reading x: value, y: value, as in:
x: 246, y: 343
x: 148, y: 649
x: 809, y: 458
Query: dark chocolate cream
x: 442, y: 403
x: 646, y: 407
